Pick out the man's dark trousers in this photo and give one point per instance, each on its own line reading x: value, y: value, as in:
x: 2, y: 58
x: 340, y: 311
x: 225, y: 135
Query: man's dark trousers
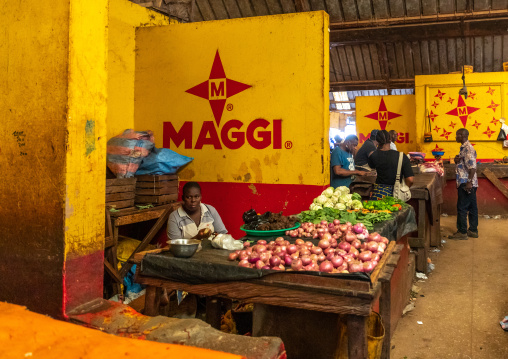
x: 466, y: 207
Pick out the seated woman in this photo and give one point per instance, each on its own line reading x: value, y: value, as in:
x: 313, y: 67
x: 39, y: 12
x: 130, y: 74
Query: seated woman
x: 386, y: 161
x: 193, y: 216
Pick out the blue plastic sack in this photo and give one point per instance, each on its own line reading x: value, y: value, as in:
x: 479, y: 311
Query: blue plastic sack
x: 162, y: 161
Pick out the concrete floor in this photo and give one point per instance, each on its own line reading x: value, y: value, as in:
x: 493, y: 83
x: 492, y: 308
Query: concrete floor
x: 463, y: 300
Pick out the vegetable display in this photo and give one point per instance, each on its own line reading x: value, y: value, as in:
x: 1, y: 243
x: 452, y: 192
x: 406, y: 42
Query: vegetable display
x: 267, y: 221
x: 342, y: 248
x: 338, y: 198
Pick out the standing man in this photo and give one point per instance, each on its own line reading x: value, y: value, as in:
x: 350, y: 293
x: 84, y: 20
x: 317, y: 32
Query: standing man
x: 369, y: 146
x: 342, y: 163
x: 393, y: 137
x: 467, y: 183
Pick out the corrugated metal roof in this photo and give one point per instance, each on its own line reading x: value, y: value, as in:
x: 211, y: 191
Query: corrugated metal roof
x: 385, y: 43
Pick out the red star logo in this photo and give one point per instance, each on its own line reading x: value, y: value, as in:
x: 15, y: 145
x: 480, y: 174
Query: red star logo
x: 489, y: 132
x: 435, y: 104
x: 472, y: 95
x: 445, y: 134
x: 492, y: 105
x: 432, y: 116
x: 452, y: 124
x: 436, y: 129
x: 450, y: 100
x: 218, y: 88
x: 462, y: 111
x: 494, y: 121
x: 437, y: 149
x: 491, y: 91
x: 440, y: 94
x: 383, y: 115
x: 476, y: 124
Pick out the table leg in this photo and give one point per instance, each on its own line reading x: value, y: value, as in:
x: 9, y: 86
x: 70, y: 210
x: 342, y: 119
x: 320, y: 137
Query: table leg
x: 385, y: 312
x: 213, y: 312
x: 152, y: 300
x: 357, y: 337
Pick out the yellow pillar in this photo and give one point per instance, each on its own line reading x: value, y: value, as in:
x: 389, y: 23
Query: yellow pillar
x: 53, y: 78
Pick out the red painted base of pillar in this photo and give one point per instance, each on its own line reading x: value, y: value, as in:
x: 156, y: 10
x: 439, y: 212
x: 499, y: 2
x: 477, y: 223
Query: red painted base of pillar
x: 82, y: 280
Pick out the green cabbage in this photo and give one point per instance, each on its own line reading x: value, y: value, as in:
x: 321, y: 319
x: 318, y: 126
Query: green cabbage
x: 328, y: 204
x: 328, y: 192
x: 320, y: 199
x: 315, y: 207
x: 340, y: 206
x: 334, y: 198
x: 356, y: 204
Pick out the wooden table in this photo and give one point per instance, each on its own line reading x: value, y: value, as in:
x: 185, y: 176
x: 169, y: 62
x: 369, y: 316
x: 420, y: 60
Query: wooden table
x: 352, y: 298
x: 129, y: 216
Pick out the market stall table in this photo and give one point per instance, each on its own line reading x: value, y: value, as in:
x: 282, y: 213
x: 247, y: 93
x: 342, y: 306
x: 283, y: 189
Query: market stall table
x: 209, y: 273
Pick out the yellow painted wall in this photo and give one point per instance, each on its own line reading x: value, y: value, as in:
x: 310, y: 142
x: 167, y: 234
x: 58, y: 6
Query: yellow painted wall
x: 437, y: 96
x: 124, y: 17
x: 283, y: 58
x: 398, y: 113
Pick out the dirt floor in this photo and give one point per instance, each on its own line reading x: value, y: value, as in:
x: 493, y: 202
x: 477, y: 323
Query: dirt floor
x: 458, y: 308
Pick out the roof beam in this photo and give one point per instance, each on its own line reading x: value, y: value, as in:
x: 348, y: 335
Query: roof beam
x: 372, y: 85
x: 419, y: 32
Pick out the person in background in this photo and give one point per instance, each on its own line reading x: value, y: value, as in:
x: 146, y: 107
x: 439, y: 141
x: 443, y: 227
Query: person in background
x: 385, y: 161
x: 342, y: 163
x: 362, y: 156
x: 393, y: 137
x: 337, y: 141
x: 467, y: 184
x: 187, y: 221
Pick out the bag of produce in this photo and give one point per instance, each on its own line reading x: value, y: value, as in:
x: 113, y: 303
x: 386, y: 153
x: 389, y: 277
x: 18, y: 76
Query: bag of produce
x: 125, y: 152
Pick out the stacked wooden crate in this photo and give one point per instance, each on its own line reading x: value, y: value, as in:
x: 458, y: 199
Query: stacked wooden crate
x: 159, y: 189
x: 120, y: 192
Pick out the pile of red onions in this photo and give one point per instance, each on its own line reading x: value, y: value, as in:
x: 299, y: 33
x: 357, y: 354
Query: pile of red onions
x: 341, y: 249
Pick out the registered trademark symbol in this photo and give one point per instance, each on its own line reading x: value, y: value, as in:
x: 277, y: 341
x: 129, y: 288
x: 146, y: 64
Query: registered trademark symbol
x: 229, y: 107
x: 288, y: 145
x: 411, y: 141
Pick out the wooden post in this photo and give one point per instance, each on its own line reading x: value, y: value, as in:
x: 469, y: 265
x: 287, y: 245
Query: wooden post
x: 213, y: 312
x: 357, y: 337
x: 152, y: 298
x: 385, y: 312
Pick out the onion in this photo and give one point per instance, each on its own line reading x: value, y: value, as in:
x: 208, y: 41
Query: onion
x: 309, y: 244
x: 324, y: 243
x: 249, y: 251
x: 313, y: 257
x: 380, y: 250
x: 244, y: 263
x: 332, y: 230
x: 357, y: 228
x: 274, y: 261
x: 232, y: 256
x: 324, y: 222
x: 281, y: 267
x: 296, y: 265
x: 315, y: 235
x: 343, y: 267
x: 260, y: 248
x: 295, y: 255
x: 337, y: 261
x: 279, y: 240
x: 382, y: 245
x: 365, y: 256
x: 344, y: 246
x: 385, y: 240
x: 260, y: 264
x: 374, y: 263
x: 333, y: 242
x: 356, y: 243
x: 288, y: 260
x: 287, y: 233
x: 253, y: 258
x: 276, y: 268
x: 348, y: 258
x: 328, y: 250
x: 299, y: 242
x: 320, y: 231
x: 355, y: 266
x: 336, y: 222
x: 361, y: 236
x: 343, y: 227
x: 376, y: 257
x: 246, y: 244
x: 354, y: 252
x: 321, y: 258
x: 330, y: 255
x: 368, y: 266
x: 304, y: 252
x: 312, y: 267
x: 374, y: 236
x: 316, y: 250
x: 340, y: 252
x: 349, y: 237
x: 306, y: 260
x: 293, y: 234
x: 372, y: 246
x: 327, y: 236
x: 266, y: 267
x: 326, y: 266
x: 291, y: 249
x: 279, y: 252
x: 261, y: 241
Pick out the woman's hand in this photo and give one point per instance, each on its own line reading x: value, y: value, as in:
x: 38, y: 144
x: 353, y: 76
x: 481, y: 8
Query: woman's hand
x: 409, y: 181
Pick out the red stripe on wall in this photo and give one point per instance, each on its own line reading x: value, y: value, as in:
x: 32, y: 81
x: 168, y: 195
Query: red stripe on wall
x: 232, y: 199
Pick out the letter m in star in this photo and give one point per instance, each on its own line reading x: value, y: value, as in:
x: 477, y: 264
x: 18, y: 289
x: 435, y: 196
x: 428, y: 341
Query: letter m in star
x: 218, y: 88
x: 382, y: 115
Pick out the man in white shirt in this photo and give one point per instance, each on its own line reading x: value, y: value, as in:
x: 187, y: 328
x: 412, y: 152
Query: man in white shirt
x: 393, y: 136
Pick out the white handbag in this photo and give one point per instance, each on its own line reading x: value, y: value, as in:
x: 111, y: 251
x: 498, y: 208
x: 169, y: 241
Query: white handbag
x: 401, y: 190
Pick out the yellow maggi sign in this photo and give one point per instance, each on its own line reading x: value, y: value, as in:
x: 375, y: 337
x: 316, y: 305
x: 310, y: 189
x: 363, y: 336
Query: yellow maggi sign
x: 247, y: 98
x: 387, y: 113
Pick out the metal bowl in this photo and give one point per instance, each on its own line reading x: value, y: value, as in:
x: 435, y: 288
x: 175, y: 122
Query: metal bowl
x: 183, y: 248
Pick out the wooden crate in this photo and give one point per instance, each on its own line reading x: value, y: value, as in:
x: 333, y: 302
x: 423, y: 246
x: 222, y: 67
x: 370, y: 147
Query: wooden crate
x: 120, y: 192
x: 156, y: 190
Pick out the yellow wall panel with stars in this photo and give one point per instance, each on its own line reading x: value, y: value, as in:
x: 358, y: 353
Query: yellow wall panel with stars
x: 440, y: 108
